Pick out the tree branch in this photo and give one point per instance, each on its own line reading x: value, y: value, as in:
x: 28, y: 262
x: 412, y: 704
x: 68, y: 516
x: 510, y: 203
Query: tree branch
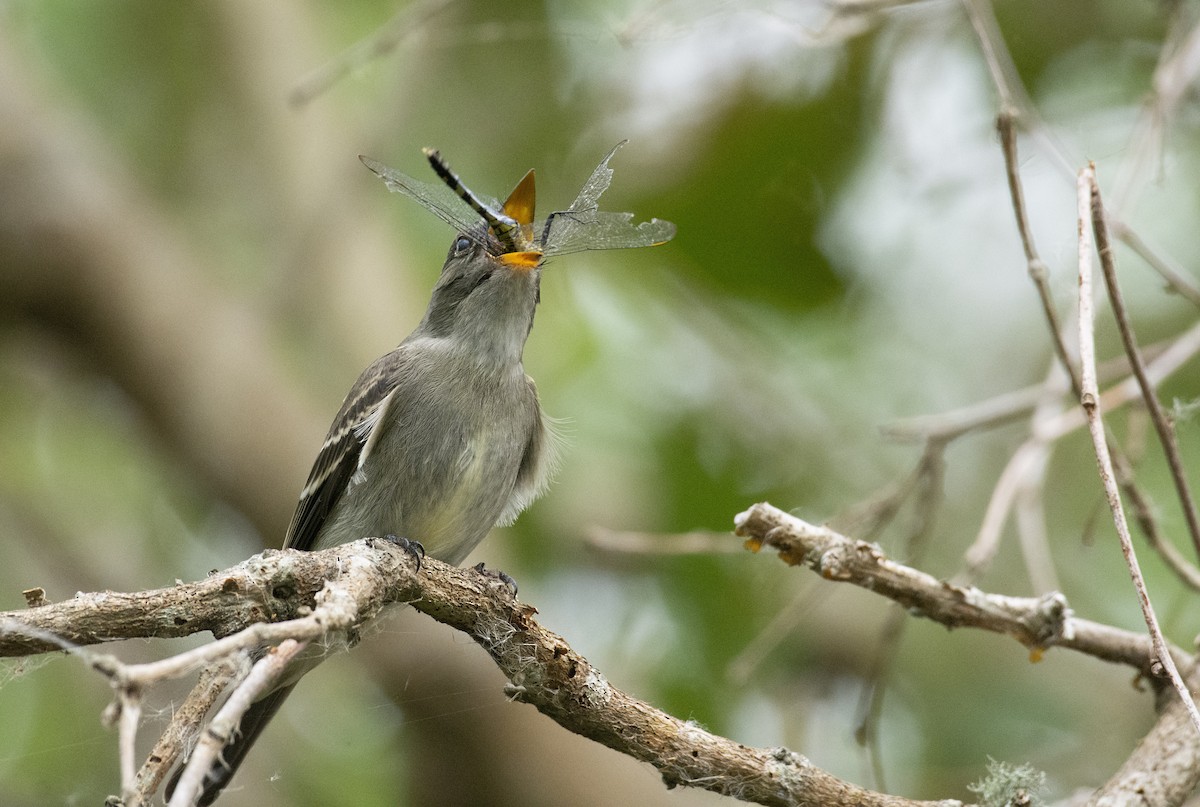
x: 362, y: 578
x: 1036, y: 622
x: 1164, y: 768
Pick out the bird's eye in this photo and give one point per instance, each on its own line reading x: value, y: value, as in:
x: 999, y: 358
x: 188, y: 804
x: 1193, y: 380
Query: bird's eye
x: 462, y: 245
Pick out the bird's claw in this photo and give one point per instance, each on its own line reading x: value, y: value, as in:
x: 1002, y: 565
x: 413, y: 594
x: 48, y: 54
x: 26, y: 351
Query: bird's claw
x: 410, y: 546
x: 496, y: 574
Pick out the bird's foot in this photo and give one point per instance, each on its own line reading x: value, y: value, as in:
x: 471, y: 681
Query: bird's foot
x: 410, y: 546
x: 496, y: 574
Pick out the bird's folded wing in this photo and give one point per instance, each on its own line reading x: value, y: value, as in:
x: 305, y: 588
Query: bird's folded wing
x: 345, y: 450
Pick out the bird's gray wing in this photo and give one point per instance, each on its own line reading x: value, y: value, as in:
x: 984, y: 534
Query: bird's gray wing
x: 351, y: 437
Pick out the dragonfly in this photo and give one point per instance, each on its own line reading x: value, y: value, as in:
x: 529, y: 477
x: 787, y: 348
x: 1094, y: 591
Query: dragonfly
x: 511, y: 230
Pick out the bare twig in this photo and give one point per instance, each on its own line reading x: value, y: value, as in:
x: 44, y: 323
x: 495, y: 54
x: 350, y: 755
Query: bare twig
x: 1179, y: 63
x: 1007, y: 81
x: 1181, y: 350
x: 928, y: 481
x: 870, y: 699
x: 265, y: 673
x: 999, y: 409
x: 996, y: 56
x: 1029, y: 458
x: 1166, y: 433
x: 1088, y: 199
x: 990, y: 413
x: 130, y: 704
x: 1170, y: 272
x: 744, y: 665
x: 408, y: 22
x: 1021, y: 477
x: 1143, y: 513
x: 1176, y: 71
x: 182, y: 730
x: 625, y: 542
x: 1037, y: 622
x: 1168, y: 357
x: 1029, y: 511
x: 1038, y: 272
x: 872, y: 515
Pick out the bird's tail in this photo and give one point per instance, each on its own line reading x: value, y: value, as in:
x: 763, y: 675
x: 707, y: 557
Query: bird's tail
x: 230, y: 759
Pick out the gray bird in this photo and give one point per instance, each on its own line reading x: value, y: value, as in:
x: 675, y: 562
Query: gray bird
x: 443, y: 437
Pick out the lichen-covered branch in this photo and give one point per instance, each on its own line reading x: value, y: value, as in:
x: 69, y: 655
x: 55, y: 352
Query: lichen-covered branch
x: 1037, y: 622
x: 272, y: 587
x: 1164, y: 768
x: 366, y: 575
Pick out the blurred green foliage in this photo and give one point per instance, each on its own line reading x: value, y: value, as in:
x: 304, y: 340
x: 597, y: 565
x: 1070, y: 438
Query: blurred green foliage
x: 846, y: 256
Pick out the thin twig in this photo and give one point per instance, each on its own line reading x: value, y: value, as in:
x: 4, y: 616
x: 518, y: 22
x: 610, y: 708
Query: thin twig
x: 871, y: 516
x: 1175, y: 355
x: 1182, y: 349
x: 1166, y: 433
x: 409, y: 21
x: 130, y: 704
x: 1027, y: 463
x: 1143, y: 513
x: 265, y: 672
x: 1174, y: 76
x: 986, y: 414
x: 628, y: 542
x: 180, y: 734
x: 928, y: 480
x: 1030, y: 457
x: 1007, y: 81
x: 1179, y: 62
x: 999, y: 409
x: 1088, y: 199
x: 1170, y: 272
x: 1033, y: 537
x: 1038, y: 272
x: 874, y: 688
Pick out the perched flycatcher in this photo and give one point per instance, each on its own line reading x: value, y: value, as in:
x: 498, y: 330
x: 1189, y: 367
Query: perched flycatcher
x: 443, y: 437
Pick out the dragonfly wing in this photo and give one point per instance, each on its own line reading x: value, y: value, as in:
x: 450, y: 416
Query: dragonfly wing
x: 580, y: 227
x: 569, y: 231
x: 584, y: 226
x: 437, y: 199
x: 597, y: 184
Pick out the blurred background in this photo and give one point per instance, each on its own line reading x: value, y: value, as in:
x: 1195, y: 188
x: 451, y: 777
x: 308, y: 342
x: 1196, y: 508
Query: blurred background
x: 194, y: 267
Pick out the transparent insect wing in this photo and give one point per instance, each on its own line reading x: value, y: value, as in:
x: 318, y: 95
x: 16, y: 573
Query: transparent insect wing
x: 437, y: 199
x: 584, y: 226
x: 597, y: 183
x: 576, y: 232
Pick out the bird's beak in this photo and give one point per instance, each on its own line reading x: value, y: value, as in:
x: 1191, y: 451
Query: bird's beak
x: 521, y: 261
x: 519, y: 206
